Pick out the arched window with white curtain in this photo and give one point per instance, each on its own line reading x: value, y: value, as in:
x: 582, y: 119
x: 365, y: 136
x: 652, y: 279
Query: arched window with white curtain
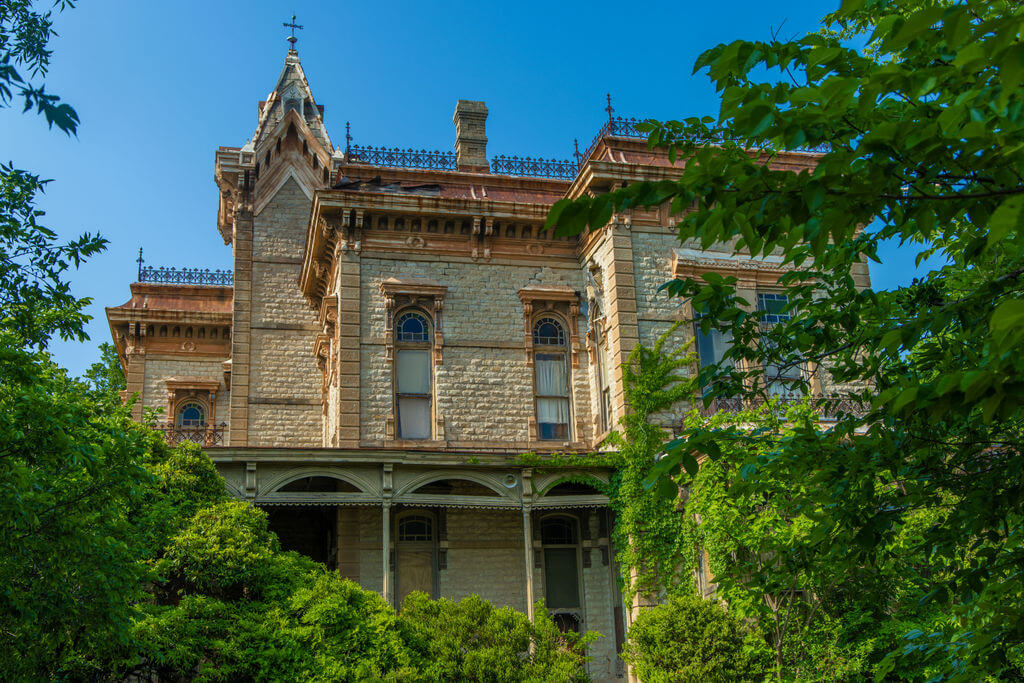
x: 551, y: 375
x: 413, y: 375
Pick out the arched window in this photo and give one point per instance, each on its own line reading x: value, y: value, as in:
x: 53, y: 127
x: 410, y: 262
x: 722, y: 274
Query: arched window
x: 191, y: 414
x: 560, y: 538
x: 413, y: 375
x: 551, y: 379
x: 415, y: 528
x: 415, y: 554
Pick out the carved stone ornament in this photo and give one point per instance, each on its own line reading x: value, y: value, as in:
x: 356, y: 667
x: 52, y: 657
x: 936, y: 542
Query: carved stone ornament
x: 426, y: 294
x: 561, y: 299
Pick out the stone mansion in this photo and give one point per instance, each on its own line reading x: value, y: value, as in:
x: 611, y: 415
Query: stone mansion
x: 397, y: 331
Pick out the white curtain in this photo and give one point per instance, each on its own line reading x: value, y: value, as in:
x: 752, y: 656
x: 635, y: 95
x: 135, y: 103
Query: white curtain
x: 551, y: 380
x: 414, y: 418
x: 413, y: 368
x: 553, y: 411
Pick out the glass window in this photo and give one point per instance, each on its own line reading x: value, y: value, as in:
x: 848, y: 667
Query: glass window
x: 412, y: 327
x: 778, y: 376
x: 604, y: 391
x: 711, y: 347
x: 413, y: 375
x: 415, y: 528
x: 552, y: 380
x: 191, y: 414
x: 548, y: 332
x: 772, y: 307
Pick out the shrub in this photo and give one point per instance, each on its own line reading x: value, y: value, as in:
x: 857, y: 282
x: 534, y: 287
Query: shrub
x: 690, y: 639
x: 471, y: 640
x: 225, y: 552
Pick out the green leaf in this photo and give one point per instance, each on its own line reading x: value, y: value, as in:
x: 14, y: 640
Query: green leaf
x: 1005, y: 219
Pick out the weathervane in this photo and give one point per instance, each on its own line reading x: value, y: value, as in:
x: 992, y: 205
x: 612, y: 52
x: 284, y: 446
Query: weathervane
x: 292, y: 39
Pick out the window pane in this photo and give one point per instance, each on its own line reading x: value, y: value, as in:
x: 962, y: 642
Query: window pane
x: 414, y: 418
x: 551, y: 379
x: 553, y: 418
x: 415, y: 529
x: 561, y: 578
x: 711, y: 347
x: 548, y: 332
x: 413, y: 327
x: 557, y: 531
x: 413, y: 367
x: 191, y: 415
x: 772, y: 307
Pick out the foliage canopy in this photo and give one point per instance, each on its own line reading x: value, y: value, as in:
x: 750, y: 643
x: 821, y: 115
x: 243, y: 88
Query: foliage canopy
x: 917, y: 109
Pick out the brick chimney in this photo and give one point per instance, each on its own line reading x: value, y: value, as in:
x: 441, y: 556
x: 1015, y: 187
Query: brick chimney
x: 471, y: 136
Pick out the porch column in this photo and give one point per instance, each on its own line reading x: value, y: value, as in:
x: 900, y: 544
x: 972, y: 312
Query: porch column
x: 528, y: 557
x: 527, y: 480
x: 386, y: 551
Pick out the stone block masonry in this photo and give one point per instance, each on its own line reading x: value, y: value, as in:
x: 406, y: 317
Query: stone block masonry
x: 283, y: 401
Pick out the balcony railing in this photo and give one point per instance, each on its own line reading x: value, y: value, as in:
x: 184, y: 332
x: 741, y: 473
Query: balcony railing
x: 830, y: 407
x: 206, y: 436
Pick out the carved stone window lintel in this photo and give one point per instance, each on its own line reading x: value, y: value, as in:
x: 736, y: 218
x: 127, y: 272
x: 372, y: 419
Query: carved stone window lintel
x: 561, y: 299
x: 425, y: 294
x: 181, y: 389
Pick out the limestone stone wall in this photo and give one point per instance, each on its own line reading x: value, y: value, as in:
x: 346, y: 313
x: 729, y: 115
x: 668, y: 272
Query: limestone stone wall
x: 485, y: 557
x: 370, y: 577
x: 284, y: 406
x: 159, y: 368
x: 484, y: 386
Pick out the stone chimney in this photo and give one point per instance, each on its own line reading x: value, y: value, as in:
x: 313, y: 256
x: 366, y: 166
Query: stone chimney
x: 471, y: 136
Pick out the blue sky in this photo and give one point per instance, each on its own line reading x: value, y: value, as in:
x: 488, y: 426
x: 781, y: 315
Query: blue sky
x: 159, y: 86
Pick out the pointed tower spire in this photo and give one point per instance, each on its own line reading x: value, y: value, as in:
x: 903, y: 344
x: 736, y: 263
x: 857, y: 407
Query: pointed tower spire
x: 291, y: 93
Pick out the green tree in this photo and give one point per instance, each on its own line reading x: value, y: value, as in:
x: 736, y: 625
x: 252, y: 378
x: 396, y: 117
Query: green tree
x: 916, y: 108
x: 105, y: 377
x: 35, y: 299
x: 69, y: 474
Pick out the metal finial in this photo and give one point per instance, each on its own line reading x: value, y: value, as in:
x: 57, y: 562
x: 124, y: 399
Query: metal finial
x: 139, y: 261
x: 576, y: 146
x: 348, y: 138
x: 292, y: 39
x: 610, y: 109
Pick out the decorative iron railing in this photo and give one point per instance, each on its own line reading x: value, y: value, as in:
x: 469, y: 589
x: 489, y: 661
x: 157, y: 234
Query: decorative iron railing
x: 830, y: 407
x: 541, y: 168
x: 614, y: 126
x: 402, y: 158
x: 207, y: 436
x: 186, y: 276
